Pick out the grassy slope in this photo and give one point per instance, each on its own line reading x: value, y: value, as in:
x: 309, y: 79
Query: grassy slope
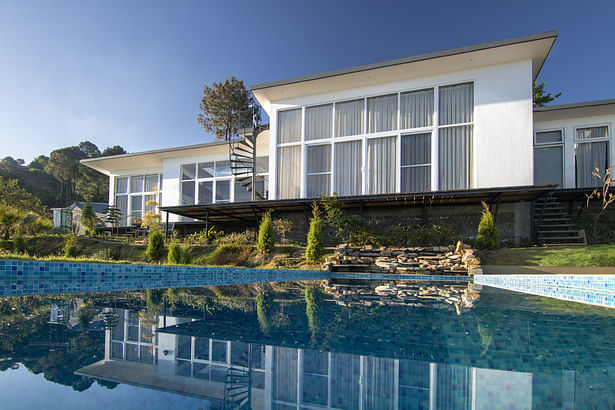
x: 592, y: 255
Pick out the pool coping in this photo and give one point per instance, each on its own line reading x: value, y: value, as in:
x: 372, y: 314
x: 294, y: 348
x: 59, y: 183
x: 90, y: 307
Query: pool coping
x: 547, y: 270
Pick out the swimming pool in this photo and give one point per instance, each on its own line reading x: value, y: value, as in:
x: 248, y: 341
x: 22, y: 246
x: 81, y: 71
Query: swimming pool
x: 348, y: 344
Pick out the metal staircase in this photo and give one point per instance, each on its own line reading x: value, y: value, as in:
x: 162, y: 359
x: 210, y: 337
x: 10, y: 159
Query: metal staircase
x: 553, y: 225
x: 242, y: 155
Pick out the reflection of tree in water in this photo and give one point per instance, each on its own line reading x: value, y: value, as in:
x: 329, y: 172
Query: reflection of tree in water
x: 264, y: 306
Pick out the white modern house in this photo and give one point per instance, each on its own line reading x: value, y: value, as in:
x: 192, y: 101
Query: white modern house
x: 452, y: 128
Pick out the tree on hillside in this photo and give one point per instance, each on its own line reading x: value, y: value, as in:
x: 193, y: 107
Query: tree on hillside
x: 114, y: 150
x: 13, y: 195
x: 34, y: 180
x: 541, y: 97
x: 224, y: 108
x: 39, y: 162
x: 64, y: 166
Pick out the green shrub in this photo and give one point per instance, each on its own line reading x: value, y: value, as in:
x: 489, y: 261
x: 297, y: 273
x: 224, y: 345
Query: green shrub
x: 155, y: 245
x: 178, y: 255
x: 70, y: 247
x: 231, y: 254
x: 488, y: 236
x: 242, y: 238
x: 315, y: 245
x: 175, y: 253
x: 19, y: 244
x: 265, y: 234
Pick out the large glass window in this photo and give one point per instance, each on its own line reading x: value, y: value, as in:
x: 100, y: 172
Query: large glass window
x: 383, y: 144
x: 206, y: 190
x: 223, y: 191
x: 319, y: 170
x: 416, y: 163
x: 455, y: 140
x: 591, y: 155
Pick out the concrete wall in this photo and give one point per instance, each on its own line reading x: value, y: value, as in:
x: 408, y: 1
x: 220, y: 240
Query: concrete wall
x: 512, y: 219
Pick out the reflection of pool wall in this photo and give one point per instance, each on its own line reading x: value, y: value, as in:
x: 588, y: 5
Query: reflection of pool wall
x: 30, y: 277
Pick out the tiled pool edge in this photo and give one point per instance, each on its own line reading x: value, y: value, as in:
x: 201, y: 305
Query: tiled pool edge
x: 590, y: 289
x: 31, y: 277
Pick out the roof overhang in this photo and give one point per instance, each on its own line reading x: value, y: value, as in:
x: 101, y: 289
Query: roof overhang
x: 153, y: 159
x: 575, y: 110
x: 535, y: 47
x: 248, y: 212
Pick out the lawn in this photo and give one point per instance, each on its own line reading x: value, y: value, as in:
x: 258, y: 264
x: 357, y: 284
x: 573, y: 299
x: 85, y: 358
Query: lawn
x: 591, y: 255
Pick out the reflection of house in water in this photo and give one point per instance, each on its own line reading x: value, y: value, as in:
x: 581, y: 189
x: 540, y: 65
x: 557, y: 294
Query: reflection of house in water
x: 65, y: 312
x: 194, y: 357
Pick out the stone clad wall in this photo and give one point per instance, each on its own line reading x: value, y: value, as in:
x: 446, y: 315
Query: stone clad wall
x: 436, y: 260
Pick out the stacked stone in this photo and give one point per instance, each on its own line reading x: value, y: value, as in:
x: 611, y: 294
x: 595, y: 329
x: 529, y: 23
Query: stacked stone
x: 436, y: 260
x: 458, y: 297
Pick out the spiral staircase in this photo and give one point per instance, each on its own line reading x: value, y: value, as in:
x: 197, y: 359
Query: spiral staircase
x: 242, y: 155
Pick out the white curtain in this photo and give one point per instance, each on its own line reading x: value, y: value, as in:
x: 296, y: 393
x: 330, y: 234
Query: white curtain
x: 382, y: 113
x: 455, y: 143
x: 381, y: 165
x: 589, y: 156
x: 319, y: 163
x: 151, y: 183
x: 121, y: 185
x: 136, y: 184
x: 289, y: 172
x: 593, y: 132
x: 456, y: 104
x: 349, y: 117
x: 454, y: 158
x: 415, y: 163
x: 318, y: 122
x: 348, y: 168
x: 416, y: 109
x: 289, y: 126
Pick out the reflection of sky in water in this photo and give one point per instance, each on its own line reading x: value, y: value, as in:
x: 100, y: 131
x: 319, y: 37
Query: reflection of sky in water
x: 22, y: 389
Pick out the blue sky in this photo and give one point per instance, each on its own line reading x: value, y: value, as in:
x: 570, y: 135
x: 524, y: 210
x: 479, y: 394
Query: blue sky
x: 131, y: 72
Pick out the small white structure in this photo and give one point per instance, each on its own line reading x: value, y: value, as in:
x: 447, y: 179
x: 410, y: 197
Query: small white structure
x: 69, y: 219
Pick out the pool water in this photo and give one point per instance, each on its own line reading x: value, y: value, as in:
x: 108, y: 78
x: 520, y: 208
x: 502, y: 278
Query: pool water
x: 337, y: 343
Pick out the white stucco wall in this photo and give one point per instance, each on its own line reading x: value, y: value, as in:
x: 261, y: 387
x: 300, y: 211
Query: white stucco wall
x: 569, y: 125
x: 503, y: 142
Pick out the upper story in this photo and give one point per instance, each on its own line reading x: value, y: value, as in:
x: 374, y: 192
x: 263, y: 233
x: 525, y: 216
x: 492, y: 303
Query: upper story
x: 446, y: 121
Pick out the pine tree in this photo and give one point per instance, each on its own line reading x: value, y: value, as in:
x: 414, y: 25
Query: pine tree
x: 88, y: 218
x: 265, y: 234
x: 315, y: 245
x: 488, y: 235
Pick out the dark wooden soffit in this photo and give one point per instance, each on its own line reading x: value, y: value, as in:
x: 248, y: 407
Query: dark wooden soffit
x: 249, y: 211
